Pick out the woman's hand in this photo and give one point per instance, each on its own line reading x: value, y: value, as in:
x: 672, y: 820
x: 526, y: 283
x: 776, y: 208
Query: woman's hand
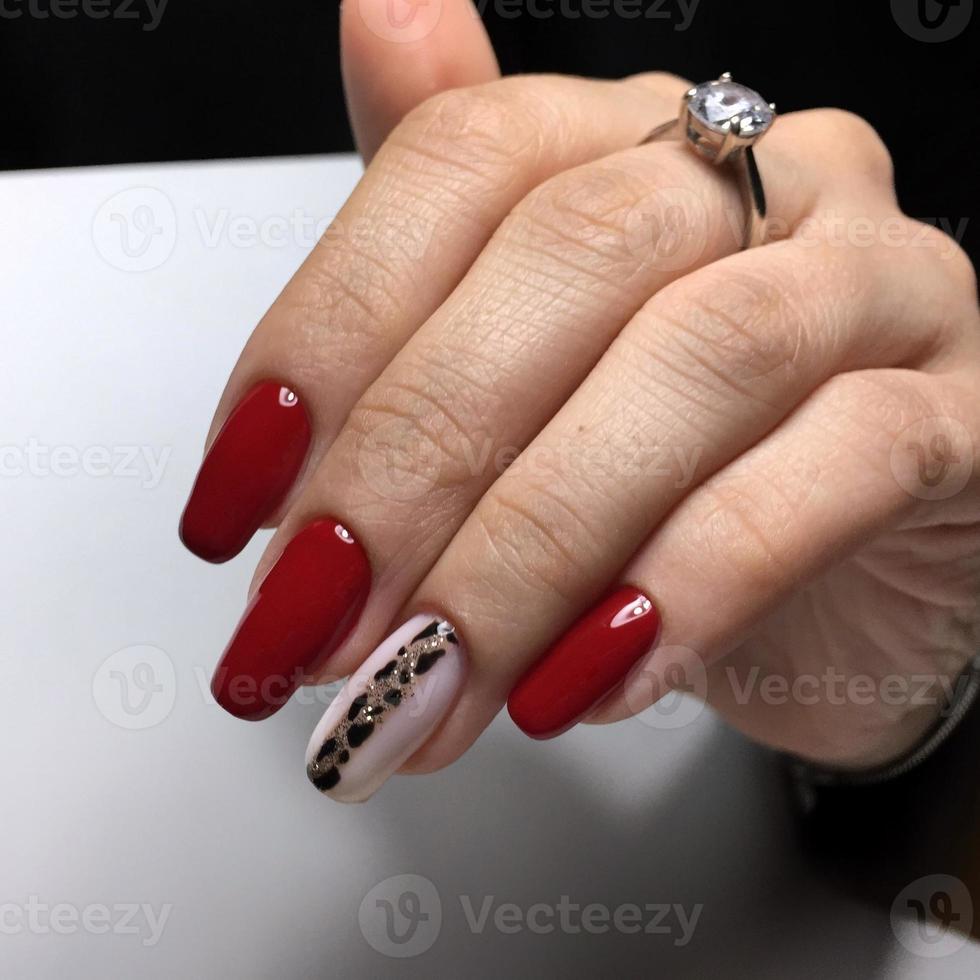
x: 772, y: 448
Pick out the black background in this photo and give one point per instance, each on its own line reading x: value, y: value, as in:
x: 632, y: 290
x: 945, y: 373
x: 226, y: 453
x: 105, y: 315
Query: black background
x: 233, y: 78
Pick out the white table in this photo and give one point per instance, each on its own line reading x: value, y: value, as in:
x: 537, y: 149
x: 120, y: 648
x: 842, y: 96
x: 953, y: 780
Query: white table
x: 128, y: 796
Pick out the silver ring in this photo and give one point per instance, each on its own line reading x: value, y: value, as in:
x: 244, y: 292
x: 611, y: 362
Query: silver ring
x: 723, y: 121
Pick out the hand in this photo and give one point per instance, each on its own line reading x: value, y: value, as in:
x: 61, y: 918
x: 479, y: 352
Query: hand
x: 772, y: 450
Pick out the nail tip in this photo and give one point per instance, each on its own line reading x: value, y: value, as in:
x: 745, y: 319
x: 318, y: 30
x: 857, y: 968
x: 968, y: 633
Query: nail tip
x: 211, y: 556
x: 537, y: 734
x: 204, y: 547
x: 241, y: 712
x: 247, y: 472
x: 419, y: 664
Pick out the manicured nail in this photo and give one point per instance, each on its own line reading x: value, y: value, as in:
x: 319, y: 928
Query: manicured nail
x: 247, y: 472
x: 585, y: 665
x: 387, y: 709
x: 304, y: 609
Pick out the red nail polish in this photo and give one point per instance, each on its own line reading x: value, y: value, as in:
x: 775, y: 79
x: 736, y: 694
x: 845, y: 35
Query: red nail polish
x: 304, y: 609
x: 585, y: 665
x: 246, y: 473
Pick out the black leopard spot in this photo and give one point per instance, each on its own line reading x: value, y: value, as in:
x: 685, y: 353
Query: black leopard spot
x: 426, y: 660
x: 359, y: 734
x: 328, y: 780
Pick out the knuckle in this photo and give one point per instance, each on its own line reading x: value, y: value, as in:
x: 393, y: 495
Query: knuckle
x: 539, y: 541
x: 340, y: 285
x: 952, y: 259
x: 584, y: 210
x: 742, y: 326
x: 881, y: 403
x: 740, y: 525
x: 855, y: 137
x: 406, y: 422
x: 480, y: 130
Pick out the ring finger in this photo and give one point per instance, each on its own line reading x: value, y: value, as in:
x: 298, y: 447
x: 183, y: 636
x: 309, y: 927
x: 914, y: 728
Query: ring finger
x: 481, y: 378
x: 713, y: 363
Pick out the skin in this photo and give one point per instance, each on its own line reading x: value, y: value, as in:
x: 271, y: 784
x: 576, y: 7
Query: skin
x: 732, y: 432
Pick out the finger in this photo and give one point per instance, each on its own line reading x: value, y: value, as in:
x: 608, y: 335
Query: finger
x: 486, y: 372
x: 394, y: 56
x: 832, y: 478
x: 711, y: 365
x: 424, y: 209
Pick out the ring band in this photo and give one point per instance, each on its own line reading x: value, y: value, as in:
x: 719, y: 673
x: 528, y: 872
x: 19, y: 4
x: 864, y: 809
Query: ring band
x: 722, y: 121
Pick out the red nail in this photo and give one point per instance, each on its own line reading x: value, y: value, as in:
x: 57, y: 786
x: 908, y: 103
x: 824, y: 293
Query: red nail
x: 585, y: 665
x: 304, y: 609
x: 246, y: 473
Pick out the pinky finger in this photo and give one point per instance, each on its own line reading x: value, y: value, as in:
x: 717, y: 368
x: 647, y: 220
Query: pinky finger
x: 837, y: 473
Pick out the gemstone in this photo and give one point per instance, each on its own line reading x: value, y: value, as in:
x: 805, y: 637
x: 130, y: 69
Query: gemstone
x: 716, y: 103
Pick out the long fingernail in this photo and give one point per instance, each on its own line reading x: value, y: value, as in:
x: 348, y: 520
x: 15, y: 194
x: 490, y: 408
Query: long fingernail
x: 585, y: 665
x: 247, y: 472
x: 304, y: 609
x: 387, y: 709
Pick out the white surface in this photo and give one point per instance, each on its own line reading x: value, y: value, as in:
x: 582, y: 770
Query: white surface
x: 180, y: 805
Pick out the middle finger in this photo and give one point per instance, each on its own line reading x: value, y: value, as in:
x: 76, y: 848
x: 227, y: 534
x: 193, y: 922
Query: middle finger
x: 557, y: 282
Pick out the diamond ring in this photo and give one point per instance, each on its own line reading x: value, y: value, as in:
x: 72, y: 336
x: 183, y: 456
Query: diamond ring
x: 722, y: 121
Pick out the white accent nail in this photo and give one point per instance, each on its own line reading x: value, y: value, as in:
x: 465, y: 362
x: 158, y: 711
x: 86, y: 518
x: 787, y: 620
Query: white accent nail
x: 399, y: 729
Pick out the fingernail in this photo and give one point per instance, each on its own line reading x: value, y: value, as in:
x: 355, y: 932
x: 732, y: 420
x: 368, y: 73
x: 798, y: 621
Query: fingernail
x: 304, y: 609
x: 247, y: 472
x: 387, y: 709
x: 585, y: 665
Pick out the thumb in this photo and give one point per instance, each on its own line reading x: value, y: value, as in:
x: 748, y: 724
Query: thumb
x: 396, y: 53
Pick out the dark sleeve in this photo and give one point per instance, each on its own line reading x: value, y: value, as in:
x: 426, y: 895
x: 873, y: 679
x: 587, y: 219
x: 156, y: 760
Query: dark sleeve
x: 877, y: 840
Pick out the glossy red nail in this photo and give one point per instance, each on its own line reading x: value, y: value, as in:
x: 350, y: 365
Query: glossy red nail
x: 304, y: 609
x: 248, y: 470
x: 585, y: 665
